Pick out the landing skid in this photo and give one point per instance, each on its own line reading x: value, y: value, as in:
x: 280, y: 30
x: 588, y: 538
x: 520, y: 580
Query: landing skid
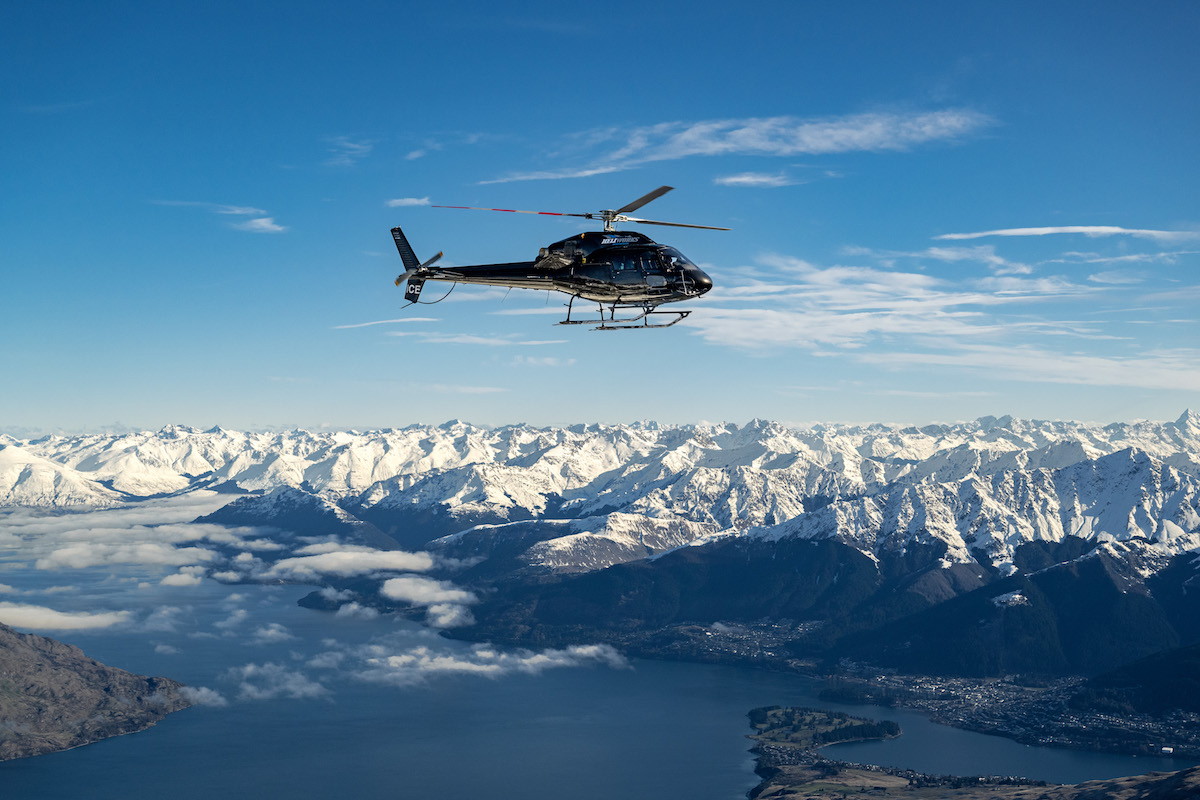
x: 612, y: 323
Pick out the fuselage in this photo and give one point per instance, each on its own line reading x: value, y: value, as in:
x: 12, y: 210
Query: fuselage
x: 606, y: 267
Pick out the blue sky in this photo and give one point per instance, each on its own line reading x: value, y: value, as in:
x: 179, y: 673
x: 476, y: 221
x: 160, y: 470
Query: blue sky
x: 940, y: 210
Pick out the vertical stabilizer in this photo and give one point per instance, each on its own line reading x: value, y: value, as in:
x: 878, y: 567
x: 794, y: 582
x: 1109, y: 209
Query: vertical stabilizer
x: 407, y: 255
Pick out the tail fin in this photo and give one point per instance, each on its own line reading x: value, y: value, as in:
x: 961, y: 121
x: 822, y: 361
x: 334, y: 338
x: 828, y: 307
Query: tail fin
x: 407, y: 255
x: 412, y: 267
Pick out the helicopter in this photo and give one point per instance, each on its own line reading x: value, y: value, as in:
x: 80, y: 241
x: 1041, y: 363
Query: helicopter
x: 626, y: 273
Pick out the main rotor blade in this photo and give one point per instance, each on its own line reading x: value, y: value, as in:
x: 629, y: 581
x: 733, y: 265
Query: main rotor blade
x: 517, y: 211
x: 646, y: 198
x: 673, y: 224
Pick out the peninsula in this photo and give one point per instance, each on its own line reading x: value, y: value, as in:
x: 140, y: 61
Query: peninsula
x: 53, y: 697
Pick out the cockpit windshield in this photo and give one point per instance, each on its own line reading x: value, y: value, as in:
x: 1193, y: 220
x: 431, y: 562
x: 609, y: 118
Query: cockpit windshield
x: 675, y: 260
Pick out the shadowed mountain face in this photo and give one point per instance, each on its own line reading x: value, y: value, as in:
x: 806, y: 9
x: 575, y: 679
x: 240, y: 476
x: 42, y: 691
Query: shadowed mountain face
x: 53, y: 697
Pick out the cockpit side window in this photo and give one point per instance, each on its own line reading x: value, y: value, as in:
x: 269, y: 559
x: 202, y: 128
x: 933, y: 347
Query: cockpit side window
x: 675, y: 260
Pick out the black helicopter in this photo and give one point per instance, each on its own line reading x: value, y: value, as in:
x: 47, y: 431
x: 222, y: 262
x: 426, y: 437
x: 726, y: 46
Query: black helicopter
x: 621, y: 271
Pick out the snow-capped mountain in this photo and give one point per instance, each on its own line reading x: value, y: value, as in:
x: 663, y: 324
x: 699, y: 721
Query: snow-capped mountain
x: 27, y: 479
x: 980, y: 488
x: 1117, y: 497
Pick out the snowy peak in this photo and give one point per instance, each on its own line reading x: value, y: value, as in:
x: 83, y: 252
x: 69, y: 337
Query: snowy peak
x: 27, y: 479
x: 1119, y: 497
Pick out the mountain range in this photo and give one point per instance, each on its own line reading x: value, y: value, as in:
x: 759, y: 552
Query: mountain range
x: 983, y: 547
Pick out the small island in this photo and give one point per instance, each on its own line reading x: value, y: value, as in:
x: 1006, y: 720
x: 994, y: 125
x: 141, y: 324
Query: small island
x: 809, y: 728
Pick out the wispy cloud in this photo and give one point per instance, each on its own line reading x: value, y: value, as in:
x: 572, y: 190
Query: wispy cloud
x: 625, y: 148
x: 384, y: 322
x: 1166, y: 369
x: 980, y: 254
x: 402, y: 202
x: 755, y: 179
x: 1116, y: 278
x: 346, y: 152
x: 1170, y: 257
x: 1010, y: 324
x: 453, y: 388
x: 555, y: 310
x: 1086, y: 230
x: 259, y: 223
x: 470, y: 338
x: 203, y: 696
x: 215, y: 208
x: 543, y: 361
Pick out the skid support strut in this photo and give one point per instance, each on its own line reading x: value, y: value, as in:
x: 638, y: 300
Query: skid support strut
x: 609, y: 321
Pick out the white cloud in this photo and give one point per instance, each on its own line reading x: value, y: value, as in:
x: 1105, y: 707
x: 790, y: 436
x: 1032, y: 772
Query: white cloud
x: 403, y: 202
x: 166, y: 650
x: 350, y: 561
x: 260, y: 225
x: 236, y: 617
x: 270, y: 681
x: 203, y: 696
x: 356, y: 610
x: 1086, y: 230
x: 187, y: 576
x: 422, y: 591
x: 271, y: 633
x: 448, y: 615
x: 445, y: 604
x: 417, y: 664
x: 330, y: 659
x: 21, y: 615
x: 163, y: 619
x: 83, y: 554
